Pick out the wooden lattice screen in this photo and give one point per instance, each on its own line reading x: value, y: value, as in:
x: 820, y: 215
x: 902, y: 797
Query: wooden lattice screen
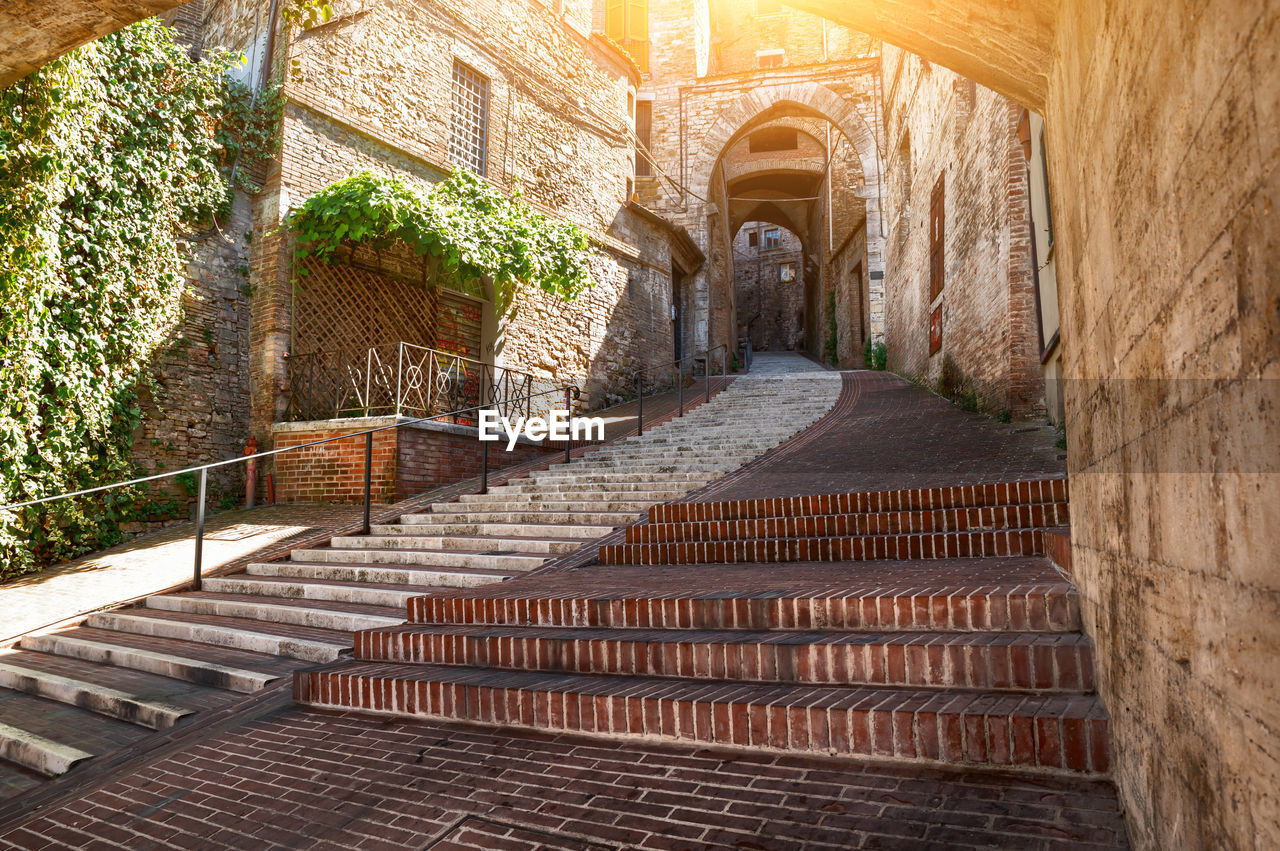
x: 341, y: 308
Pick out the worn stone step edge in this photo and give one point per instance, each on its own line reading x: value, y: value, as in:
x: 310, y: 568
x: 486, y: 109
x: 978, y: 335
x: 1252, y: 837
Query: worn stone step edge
x: 392, y: 574
x: 432, y: 558
x: 38, y: 753
x: 303, y: 649
x: 87, y: 695
x: 302, y: 590
x: 149, y: 661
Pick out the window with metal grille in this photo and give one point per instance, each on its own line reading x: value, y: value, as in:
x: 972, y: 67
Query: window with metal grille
x: 469, y: 134
x: 753, y: 239
x: 644, y: 132
x: 937, y: 236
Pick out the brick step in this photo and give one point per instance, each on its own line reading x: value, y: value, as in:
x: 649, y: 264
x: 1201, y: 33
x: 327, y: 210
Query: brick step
x: 432, y: 558
x: 458, y: 543
x: 1023, y: 595
x: 848, y: 525
x: 293, y: 641
x: 220, y: 668
x: 1057, y: 732
x: 423, y: 578
x: 869, y: 502
x: 948, y: 545
x: 977, y: 660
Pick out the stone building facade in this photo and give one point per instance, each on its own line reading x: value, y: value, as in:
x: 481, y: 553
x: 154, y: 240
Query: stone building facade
x: 758, y: 112
x: 768, y: 270
x: 962, y: 305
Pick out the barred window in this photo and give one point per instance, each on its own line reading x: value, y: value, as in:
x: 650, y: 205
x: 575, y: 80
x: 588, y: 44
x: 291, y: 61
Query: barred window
x: 469, y: 135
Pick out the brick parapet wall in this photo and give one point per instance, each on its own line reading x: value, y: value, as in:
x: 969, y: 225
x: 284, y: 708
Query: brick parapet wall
x: 407, y: 461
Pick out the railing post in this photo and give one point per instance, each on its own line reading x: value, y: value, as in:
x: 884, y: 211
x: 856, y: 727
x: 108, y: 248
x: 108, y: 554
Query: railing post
x: 568, y: 443
x: 680, y: 384
x: 368, y: 479
x: 706, y: 368
x: 198, y: 570
x: 399, y: 373
x: 484, y: 466
x: 639, y: 403
x: 368, y: 381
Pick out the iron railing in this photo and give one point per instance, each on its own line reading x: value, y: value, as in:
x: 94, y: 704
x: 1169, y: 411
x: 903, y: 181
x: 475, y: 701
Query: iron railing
x: 658, y: 374
x: 403, y: 379
x: 565, y: 394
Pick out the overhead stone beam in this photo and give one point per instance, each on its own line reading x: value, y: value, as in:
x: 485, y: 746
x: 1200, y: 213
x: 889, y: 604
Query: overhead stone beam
x: 35, y: 32
x: 1006, y: 45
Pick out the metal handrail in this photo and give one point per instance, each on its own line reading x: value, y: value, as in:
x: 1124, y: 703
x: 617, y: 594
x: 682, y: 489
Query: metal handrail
x: 570, y: 392
x: 638, y: 376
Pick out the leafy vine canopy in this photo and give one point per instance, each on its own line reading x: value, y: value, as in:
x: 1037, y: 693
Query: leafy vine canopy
x: 463, y: 227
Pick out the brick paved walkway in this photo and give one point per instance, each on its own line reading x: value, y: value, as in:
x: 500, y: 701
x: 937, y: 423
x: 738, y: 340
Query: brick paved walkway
x: 887, y: 434
x: 305, y: 779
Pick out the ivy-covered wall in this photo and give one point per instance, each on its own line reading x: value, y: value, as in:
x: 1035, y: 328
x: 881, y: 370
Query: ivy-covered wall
x: 109, y: 159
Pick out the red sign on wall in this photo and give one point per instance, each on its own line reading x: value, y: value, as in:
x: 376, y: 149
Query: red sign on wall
x: 935, y: 330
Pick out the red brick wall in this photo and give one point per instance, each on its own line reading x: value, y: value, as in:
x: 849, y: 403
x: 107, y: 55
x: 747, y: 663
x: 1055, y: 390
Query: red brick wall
x: 406, y: 461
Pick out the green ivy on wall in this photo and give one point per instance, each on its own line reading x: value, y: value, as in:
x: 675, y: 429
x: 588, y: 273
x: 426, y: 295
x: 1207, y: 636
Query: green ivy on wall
x: 463, y: 227
x: 107, y: 157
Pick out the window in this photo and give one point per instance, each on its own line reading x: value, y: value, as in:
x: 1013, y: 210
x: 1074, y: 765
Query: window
x: 937, y: 237
x: 774, y: 58
x: 773, y: 139
x: 627, y: 23
x: 753, y: 239
x: 787, y: 272
x: 644, y: 132
x: 772, y: 239
x: 469, y: 135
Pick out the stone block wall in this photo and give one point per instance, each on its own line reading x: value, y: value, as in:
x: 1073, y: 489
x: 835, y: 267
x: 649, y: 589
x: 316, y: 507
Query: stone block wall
x: 770, y: 310
x: 943, y: 129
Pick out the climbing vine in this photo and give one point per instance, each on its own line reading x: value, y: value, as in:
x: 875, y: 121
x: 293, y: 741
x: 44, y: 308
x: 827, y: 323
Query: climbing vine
x: 108, y: 156
x: 463, y: 228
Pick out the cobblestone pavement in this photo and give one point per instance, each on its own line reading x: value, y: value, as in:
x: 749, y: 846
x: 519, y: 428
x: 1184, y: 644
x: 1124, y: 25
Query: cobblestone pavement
x: 305, y: 779
x: 887, y: 434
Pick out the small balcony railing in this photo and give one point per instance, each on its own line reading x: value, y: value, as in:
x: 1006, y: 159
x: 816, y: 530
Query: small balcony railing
x: 403, y: 379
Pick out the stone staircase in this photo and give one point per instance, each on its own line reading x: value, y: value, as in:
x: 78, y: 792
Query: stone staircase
x: 975, y: 658
x: 71, y: 694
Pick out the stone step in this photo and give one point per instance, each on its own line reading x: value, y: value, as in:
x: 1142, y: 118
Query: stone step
x: 942, y: 545
x: 424, y: 579
x: 432, y: 558
x: 534, y: 496
x: 578, y: 534
x: 847, y: 525
x: 29, y: 679
x: 458, y: 543
x: 334, y: 616
x: 38, y: 753
x: 869, y: 502
x: 112, y: 650
x: 575, y: 505
x: 392, y: 596
x: 591, y: 519
x: 549, y: 486
x: 306, y: 644
x: 1022, y: 595
x: 1001, y: 661
x: 954, y: 727
x: 583, y: 479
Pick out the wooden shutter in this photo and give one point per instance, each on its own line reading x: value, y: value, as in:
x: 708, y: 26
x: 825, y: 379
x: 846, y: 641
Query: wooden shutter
x: 937, y: 237
x: 644, y: 132
x: 615, y: 20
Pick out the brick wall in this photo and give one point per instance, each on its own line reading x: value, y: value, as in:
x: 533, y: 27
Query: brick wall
x: 406, y: 461
x: 940, y: 126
